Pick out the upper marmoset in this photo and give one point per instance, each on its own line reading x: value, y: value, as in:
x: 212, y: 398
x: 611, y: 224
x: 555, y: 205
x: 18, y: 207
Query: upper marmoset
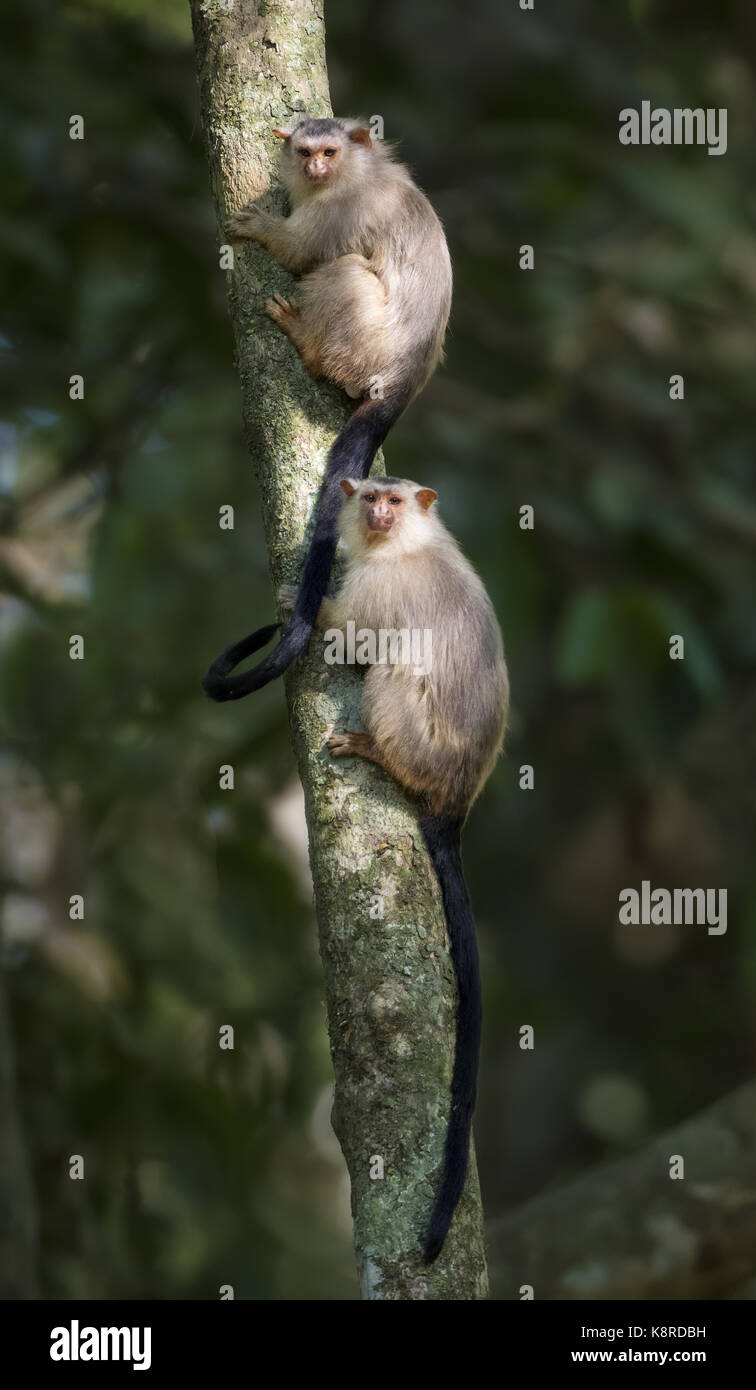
x: 375, y: 293
x: 370, y: 314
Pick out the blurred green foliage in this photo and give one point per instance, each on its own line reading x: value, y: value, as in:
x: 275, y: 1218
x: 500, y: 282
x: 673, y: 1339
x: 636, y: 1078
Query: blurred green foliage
x: 204, y: 1166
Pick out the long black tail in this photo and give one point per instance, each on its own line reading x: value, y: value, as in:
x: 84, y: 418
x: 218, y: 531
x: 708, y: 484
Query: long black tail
x: 351, y: 456
x: 442, y: 838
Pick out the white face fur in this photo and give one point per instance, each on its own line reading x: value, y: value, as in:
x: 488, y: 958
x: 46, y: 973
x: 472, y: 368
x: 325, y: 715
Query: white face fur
x: 384, y: 517
x: 317, y: 154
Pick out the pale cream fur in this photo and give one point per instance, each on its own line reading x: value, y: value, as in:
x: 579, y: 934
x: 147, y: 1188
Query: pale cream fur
x: 375, y: 292
x: 439, y: 734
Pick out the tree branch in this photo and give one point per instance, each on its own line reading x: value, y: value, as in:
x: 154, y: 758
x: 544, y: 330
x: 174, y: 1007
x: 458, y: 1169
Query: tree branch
x: 628, y: 1231
x: 390, y: 988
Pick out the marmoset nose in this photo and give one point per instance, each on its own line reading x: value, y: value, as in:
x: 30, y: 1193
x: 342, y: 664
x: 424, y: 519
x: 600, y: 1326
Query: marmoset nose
x: 380, y: 518
x: 315, y: 168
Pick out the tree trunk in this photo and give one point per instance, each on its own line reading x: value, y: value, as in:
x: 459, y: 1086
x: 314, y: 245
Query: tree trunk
x: 17, y: 1224
x: 389, y: 982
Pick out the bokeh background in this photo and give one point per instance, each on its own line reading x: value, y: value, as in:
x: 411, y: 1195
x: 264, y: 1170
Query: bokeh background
x: 207, y: 1167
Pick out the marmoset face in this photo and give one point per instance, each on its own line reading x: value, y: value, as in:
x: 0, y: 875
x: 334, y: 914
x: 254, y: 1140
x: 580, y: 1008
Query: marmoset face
x: 319, y: 151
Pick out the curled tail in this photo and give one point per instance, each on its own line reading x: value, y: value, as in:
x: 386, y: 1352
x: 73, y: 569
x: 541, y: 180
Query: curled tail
x: 442, y: 838
x: 351, y: 456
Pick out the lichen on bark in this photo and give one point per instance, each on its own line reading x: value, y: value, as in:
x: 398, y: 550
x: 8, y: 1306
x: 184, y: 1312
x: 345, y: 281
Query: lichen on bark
x: 389, y: 982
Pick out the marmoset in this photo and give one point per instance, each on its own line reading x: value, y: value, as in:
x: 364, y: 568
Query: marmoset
x: 437, y: 729
x: 370, y: 315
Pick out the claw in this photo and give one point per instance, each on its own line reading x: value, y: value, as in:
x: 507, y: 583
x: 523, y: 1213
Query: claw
x: 339, y: 745
x: 243, y: 223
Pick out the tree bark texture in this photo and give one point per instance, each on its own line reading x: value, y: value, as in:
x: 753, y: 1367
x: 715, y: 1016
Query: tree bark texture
x: 389, y: 982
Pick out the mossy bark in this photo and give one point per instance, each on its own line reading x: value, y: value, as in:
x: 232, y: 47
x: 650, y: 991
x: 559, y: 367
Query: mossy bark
x: 390, y: 988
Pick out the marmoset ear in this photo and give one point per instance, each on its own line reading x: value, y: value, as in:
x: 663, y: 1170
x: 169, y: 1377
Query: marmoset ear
x: 348, y: 487
x: 283, y: 134
x: 426, y: 497
x: 361, y: 136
